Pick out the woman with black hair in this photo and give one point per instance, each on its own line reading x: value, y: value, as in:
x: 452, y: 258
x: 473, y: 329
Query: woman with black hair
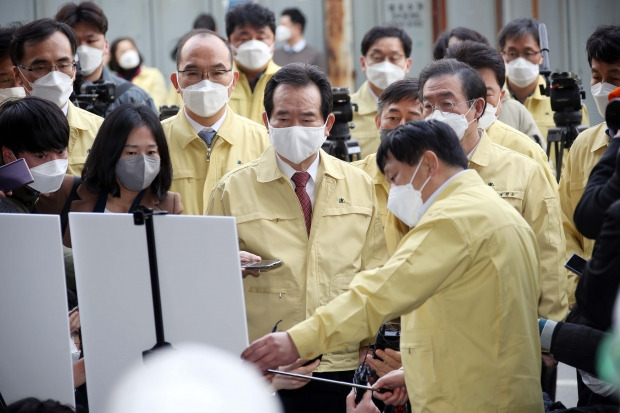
x: 128, y: 165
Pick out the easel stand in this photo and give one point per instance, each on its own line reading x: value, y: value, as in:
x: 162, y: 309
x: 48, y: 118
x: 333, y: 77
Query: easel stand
x: 144, y: 216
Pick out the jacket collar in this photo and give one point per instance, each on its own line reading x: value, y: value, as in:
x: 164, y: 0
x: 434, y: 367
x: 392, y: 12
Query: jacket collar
x: 74, y: 118
x: 535, y: 94
x: 602, y: 137
x: 268, y: 169
x: 366, y: 103
x: 271, y: 68
x: 226, y: 130
x: 483, y: 151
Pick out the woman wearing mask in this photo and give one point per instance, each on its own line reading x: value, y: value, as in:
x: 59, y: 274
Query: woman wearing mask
x: 128, y: 165
x: 126, y: 61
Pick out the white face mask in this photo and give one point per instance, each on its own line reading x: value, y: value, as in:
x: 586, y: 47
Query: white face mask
x: 384, y: 74
x: 600, y: 93
x: 404, y: 201
x: 12, y: 92
x: 48, y: 176
x: 297, y: 143
x: 488, y: 117
x: 522, y: 72
x: 129, y: 60
x: 253, y: 54
x: 54, y: 86
x: 90, y: 59
x: 205, y: 98
x: 457, y: 122
x: 283, y: 33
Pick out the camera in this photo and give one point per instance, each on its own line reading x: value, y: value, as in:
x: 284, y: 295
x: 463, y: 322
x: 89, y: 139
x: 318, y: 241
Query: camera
x: 388, y: 337
x: 565, y: 92
x: 95, y: 96
x: 339, y: 142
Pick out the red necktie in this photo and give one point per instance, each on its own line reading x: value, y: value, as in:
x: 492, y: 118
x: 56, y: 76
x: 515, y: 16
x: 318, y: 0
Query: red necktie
x: 300, y: 179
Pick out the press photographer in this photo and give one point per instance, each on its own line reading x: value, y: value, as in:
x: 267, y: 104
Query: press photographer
x: 90, y: 25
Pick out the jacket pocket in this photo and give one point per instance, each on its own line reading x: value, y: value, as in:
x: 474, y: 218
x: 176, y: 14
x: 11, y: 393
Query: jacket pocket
x: 419, y: 359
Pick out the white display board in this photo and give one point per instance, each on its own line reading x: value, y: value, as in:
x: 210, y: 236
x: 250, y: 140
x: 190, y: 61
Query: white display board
x: 200, y: 282
x: 35, y: 356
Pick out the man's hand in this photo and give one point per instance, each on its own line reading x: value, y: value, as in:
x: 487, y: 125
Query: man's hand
x: 395, y: 381
x: 366, y: 405
x: 291, y: 383
x: 391, y: 361
x: 248, y: 258
x: 271, y: 351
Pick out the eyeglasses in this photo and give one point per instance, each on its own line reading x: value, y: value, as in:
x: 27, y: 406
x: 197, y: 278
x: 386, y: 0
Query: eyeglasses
x: 394, y: 58
x: 443, y: 106
x: 196, y: 76
x: 41, y: 70
x: 513, y: 54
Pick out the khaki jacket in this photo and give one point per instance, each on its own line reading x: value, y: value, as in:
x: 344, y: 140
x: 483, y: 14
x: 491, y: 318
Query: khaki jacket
x: 247, y: 102
x: 526, y: 183
x: 586, y: 151
x: 382, y: 186
x: 509, y: 137
x: 83, y: 129
x: 365, y: 130
x: 514, y: 114
x: 346, y: 237
x: 195, y: 169
x: 522, y: 183
x: 465, y: 281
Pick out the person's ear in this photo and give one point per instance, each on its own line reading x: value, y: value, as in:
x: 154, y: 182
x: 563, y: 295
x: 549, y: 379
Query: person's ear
x: 479, y: 105
x: 7, y: 155
x: 408, y: 65
x: 175, y: 81
x: 266, y: 120
x: 330, y: 122
x: 378, y: 121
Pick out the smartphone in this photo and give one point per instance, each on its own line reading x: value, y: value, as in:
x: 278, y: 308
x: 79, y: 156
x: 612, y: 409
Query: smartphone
x: 576, y: 264
x: 307, y: 363
x: 262, y: 265
x: 14, y: 175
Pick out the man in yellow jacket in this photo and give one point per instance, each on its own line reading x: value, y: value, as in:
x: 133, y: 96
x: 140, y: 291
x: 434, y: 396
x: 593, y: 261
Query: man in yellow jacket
x: 454, y: 93
x: 464, y: 279
x: 251, y: 31
x: 36, y: 49
x: 489, y: 63
x: 603, y: 48
x: 519, y: 44
x: 385, y: 59
x: 206, y: 138
x: 397, y: 105
x: 317, y: 214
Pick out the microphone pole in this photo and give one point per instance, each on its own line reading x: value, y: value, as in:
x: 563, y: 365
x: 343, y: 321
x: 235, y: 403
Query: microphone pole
x: 544, y: 69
